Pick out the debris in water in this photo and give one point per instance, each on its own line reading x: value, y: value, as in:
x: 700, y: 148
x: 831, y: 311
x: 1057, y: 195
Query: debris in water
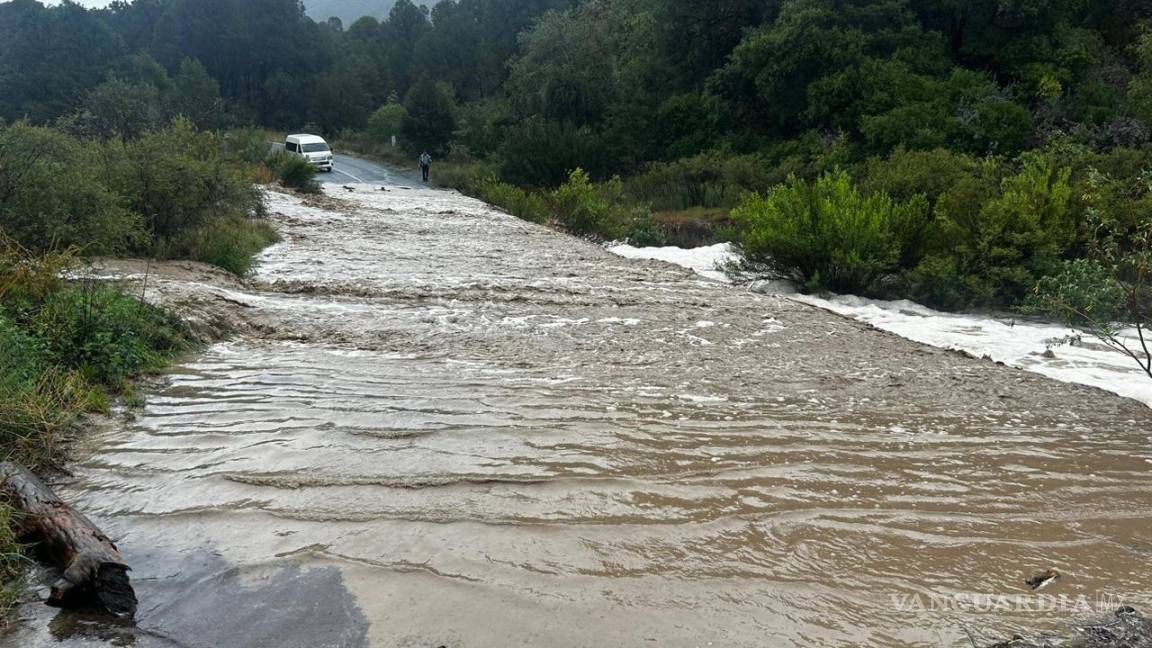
x: 1042, y: 579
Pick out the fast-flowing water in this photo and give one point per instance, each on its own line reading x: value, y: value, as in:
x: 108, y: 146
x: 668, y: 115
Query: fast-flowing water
x: 441, y: 426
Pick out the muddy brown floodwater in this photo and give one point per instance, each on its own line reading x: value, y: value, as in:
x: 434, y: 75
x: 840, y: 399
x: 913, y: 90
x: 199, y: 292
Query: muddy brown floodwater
x: 440, y: 426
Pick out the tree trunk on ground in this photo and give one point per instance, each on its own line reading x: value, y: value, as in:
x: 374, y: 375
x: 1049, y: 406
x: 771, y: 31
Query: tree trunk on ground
x: 91, y: 566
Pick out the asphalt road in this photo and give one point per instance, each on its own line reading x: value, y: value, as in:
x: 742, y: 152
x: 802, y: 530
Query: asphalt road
x: 348, y: 169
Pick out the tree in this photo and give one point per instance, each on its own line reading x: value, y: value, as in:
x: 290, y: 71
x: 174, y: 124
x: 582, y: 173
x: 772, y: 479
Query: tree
x: 1111, y: 288
x: 697, y: 37
x: 50, y: 58
x: 822, y: 64
x: 406, y: 25
x: 118, y: 108
x: 431, y: 117
x: 386, y: 122
x: 195, y: 95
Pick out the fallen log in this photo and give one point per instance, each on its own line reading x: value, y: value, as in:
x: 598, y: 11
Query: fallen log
x: 92, y: 569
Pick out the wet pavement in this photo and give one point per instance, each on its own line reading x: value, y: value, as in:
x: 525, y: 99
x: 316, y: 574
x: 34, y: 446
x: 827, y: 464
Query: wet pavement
x: 441, y: 426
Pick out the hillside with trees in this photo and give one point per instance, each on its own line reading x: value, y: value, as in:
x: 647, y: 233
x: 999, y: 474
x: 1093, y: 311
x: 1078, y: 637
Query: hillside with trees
x: 962, y: 154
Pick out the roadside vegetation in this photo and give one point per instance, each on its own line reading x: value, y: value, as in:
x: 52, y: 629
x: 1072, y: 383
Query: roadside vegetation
x: 70, y: 345
x: 68, y: 348
x: 981, y: 155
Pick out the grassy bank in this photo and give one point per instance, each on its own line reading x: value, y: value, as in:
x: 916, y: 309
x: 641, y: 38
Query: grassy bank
x: 70, y: 347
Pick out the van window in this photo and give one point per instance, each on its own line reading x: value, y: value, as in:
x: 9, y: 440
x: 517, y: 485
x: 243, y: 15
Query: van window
x: 319, y: 147
x: 291, y: 147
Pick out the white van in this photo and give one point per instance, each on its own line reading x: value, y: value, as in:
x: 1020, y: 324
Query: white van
x: 312, y: 148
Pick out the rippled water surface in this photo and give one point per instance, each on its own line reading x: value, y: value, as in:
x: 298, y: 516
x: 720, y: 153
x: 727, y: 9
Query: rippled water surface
x: 446, y: 427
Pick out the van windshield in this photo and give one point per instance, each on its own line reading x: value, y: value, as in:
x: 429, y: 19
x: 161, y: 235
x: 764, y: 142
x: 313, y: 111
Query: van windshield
x: 314, y: 148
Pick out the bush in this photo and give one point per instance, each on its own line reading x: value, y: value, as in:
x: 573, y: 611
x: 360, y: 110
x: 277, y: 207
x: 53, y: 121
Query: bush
x: 386, y: 123
x: 709, y: 180
x: 829, y: 235
x: 294, y: 172
x: 597, y: 211
x: 177, y: 179
x: 516, y: 201
x: 645, y: 231
x: 64, y: 345
x: 905, y: 174
x: 578, y: 206
x: 249, y: 146
x: 51, y: 196
x: 998, y: 246
x: 36, y: 400
x: 103, y: 334
x: 1084, y: 292
x: 231, y: 243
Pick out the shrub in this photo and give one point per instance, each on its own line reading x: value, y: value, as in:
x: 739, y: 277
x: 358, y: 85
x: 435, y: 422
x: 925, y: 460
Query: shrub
x: 710, y: 180
x: 645, y: 231
x: 103, y: 334
x: 516, y: 201
x: 177, y: 179
x: 231, y: 243
x: 999, y: 246
x: 294, y: 172
x: 905, y: 174
x: 36, y: 399
x: 578, y: 206
x: 63, y: 344
x: 386, y: 123
x: 598, y: 211
x: 249, y: 146
x: 1083, y: 292
x: 51, y: 196
x: 828, y: 234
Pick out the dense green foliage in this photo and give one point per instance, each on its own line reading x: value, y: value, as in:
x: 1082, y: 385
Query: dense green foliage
x: 1004, y: 128
x: 830, y: 234
x: 579, y: 206
x: 293, y: 171
x: 173, y: 192
x: 64, y: 346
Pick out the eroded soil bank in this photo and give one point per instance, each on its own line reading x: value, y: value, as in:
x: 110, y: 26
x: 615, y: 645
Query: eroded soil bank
x: 439, y: 425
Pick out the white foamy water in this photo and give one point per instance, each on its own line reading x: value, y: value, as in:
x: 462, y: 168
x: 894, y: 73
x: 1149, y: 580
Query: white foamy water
x: 705, y: 261
x: 1049, y: 349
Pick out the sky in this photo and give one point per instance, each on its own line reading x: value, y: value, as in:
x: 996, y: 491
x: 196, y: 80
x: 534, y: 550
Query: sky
x: 83, y: 3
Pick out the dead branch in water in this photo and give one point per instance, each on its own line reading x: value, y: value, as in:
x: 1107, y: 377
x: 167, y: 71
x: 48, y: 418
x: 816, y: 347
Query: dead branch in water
x: 92, y: 569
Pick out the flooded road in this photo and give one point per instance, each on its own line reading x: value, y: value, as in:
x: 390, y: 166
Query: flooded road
x: 440, y: 426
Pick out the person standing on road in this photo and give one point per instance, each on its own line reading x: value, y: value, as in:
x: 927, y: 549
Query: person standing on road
x: 425, y: 164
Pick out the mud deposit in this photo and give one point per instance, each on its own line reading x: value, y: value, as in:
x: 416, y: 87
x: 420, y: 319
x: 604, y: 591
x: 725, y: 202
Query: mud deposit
x: 441, y: 426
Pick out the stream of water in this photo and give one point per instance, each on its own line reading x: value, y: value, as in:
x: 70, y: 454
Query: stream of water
x: 443, y: 426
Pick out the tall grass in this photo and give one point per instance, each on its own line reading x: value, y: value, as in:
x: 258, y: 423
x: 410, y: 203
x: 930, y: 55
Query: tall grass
x: 66, y: 348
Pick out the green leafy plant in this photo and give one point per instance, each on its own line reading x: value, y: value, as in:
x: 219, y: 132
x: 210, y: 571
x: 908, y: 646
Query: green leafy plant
x: 294, y: 172
x: 827, y: 234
